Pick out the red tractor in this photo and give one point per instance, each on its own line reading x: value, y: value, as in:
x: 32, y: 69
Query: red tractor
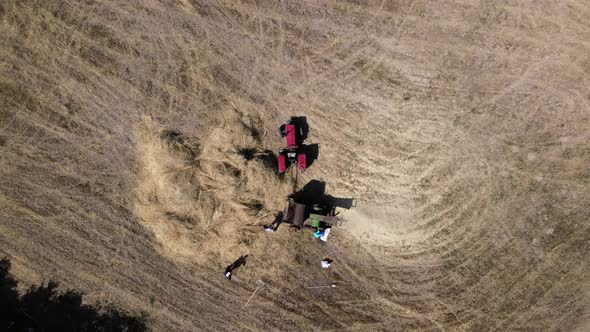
x: 294, y: 153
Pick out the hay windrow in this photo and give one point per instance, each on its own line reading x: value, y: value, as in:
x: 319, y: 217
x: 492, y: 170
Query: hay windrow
x: 197, y: 196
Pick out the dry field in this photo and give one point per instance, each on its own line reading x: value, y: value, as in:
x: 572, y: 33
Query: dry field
x: 461, y: 127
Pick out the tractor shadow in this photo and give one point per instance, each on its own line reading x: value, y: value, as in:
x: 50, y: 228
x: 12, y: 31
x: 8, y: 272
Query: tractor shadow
x: 300, y: 122
x: 312, y: 153
x: 314, y: 192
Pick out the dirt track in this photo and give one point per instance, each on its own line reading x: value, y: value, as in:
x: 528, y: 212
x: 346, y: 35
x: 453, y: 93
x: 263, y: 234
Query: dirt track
x: 461, y: 129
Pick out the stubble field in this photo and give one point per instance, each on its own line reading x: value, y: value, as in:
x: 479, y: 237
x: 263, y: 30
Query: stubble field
x: 134, y: 160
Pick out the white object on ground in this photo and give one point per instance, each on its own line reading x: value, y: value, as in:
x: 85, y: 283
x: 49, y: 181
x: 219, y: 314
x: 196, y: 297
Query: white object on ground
x: 325, y: 236
x: 325, y: 264
x: 324, y: 286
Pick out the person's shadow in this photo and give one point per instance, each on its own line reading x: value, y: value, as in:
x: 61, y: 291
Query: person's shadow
x: 277, y: 222
x: 239, y: 262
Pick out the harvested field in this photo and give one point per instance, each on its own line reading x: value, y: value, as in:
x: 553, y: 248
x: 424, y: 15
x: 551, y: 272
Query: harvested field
x: 137, y: 143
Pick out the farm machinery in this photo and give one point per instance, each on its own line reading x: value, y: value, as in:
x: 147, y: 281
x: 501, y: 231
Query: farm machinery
x: 318, y: 217
x: 294, y: 131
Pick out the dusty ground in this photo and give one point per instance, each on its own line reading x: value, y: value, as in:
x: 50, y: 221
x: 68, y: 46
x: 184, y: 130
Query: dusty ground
x: 462, y: 128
